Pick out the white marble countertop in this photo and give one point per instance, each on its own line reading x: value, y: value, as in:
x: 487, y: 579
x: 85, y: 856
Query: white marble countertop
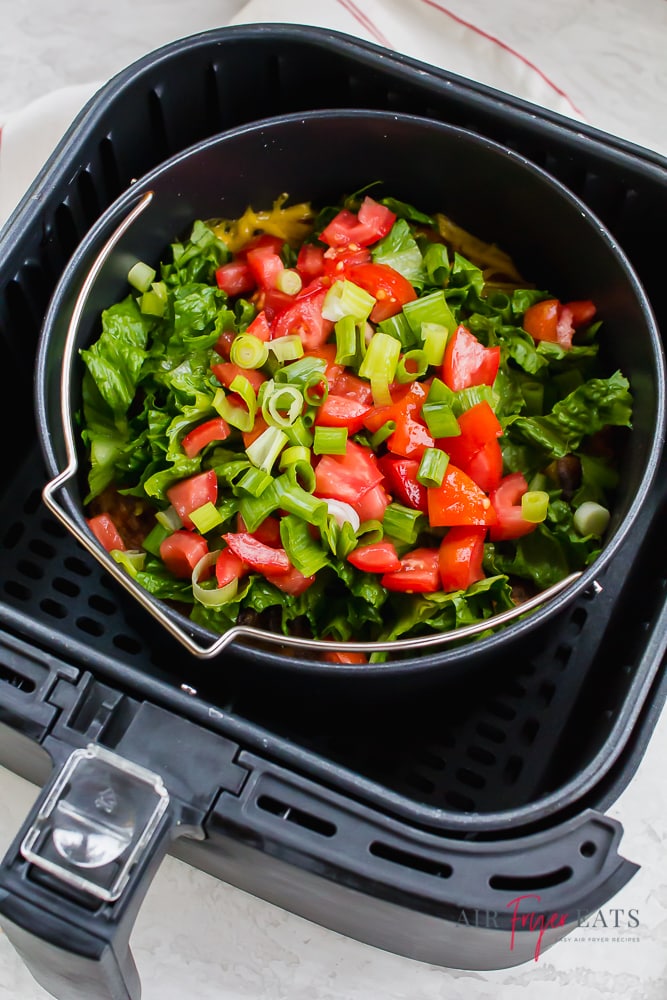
x: 196, y: 937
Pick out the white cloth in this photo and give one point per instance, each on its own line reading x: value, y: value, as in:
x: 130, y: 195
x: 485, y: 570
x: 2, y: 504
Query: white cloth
x: 422, y: 29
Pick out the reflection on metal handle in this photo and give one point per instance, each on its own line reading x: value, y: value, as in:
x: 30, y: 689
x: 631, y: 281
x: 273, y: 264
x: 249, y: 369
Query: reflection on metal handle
x: 238, y: 632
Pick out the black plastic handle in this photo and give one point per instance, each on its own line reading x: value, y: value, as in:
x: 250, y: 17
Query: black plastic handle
x: 71, y: 927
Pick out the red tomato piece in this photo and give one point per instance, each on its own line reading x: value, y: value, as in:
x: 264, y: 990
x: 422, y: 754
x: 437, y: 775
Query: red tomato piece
x: 258, y: 428
x: 377, y: 216
x: 235, y: 278
x: 327, y: 353
x: 401, y: 480
x: 310, y: 262
x: 342, y: 656
x: 460, y: 557
x: 370, y: 224
x: 339, y: 260
x: 267, y: 532
x: 226, y: 372
x: 377, y: 557
x: 192, y: 493
x: 292, y: 582
x: 347, y: 477
x: 387, y: 286
x: 262, y: 241
x: 215, y: 429
x: 304, y: 318
x: 275, y: 302
x: 467, y: 362
x: 228, y: 567
x: 476, y: 449
x: 419, y: 573
x: 181, y: 551
x: 224, y: 343
x: 582, y: 310
x: 347, y: 384
x: 506, y: 501
x: 260, y: 327
x: 372, y: 505
x: 458, y: 500
x: 257, y: 555
x: 550, y: 320
x: 411, y: 437
x: 486, y: 466
x: 106, y: 532
x: 265, y: 265
x: 342, y: 411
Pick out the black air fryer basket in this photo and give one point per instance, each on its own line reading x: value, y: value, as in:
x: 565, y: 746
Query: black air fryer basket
x: 392, y: 815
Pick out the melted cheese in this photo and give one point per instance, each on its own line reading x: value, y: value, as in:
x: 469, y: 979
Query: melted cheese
x: 292, y: 224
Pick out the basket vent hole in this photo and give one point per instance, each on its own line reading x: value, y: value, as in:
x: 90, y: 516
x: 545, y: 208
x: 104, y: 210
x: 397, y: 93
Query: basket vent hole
x: 461, y: 802
x: 297, y: 816
x: 54, y: 609
x: 41, y: 548
x: 470, y: 778
x: 512, y: 769
x: 420, y: 783
x: 65, y: 229
x: 529, y: 731
x: 502, y: 711
x: 30, y: 569
x: 90, y: 626
x: 562, y: 656
x: 53, y: 528
x: 408, y: 860
x: 15, y: 680
x: 127, y: 644
x: 101, y: 604
x: 490, y: 732
x: 522, y: 883
x: 546, y: 693
x: 66, y: 587
x: 588, y: 849
x: 481, y: 755
x: 75, y: 565
x: 432, y: 760
x: 13, y: 535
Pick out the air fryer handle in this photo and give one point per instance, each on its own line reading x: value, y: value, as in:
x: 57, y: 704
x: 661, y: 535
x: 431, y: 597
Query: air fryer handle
x: 72, y: 926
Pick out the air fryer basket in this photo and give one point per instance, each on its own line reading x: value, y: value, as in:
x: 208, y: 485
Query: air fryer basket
x: 386, y: 817
x: 316, y: 158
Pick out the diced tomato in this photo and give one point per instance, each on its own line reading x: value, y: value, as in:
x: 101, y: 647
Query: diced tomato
x: 181, y: 551
x: 372, y: 505
x: 224, y: 343
x: 460, y: 557
x: 467, y: 362
x: 347, y: 477
x: 258, y: 428
x: 377, y: 557
x: 228, y: 567
x: 275, y: 302
x: 419, y: 573
x: 387, y: 286
x: 371, y: 223
x: 268, y: 531
x: 552, y: 321
x: 506, y: 501
x: 411, y: 437
x: 582, y: 310
x: 347, y: 384
x: 458, y: 500
x: 235, y: 278
x: 310, y: 262
x: 345, y: 657
x: 476, y: 450
x: 262, y: 241
x: 215, y: 429
x: 192, y: 493
x: 226, y: 372
x: 257, y: 555
x: 260, y: 327
x: 292, y: 582
x: 304, y: 318
x: 327, y: 353
x: 265, y: 265
x: 342, y: 411
x: 401, y: 480
x: 486, y: 466
x: 106, y: 532
x: 339, y: 260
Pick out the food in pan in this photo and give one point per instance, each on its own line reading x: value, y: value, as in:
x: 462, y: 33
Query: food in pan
x: 351, y: 423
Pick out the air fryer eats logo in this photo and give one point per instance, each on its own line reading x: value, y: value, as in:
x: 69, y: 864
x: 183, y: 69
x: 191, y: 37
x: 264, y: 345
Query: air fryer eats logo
x: 525, y: 916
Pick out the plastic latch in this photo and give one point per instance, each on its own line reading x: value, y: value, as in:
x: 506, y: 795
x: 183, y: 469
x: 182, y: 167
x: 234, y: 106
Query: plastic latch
x: 96, y: 822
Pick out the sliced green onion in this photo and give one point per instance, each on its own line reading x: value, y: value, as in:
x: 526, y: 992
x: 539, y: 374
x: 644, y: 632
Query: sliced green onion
x: 289, y: 281
x: 301, y: 468
x: 282, y: 406
x: 169, y: 519
x: 255, y: 509
x: 316, y: 391
x: 330, y: 440
x: 132, y: 560
x: 399, y: 328
x: 434, y: 337
x: 304, y: 371
x: 212, y: 597
x: 382, y: 433
x: 265, y: 449
x: 347, y: 341
x: 432, y: 467
x: 440, y: 420
x: 379, y: 366
x: 344, y: 298
x: 248, y: 351
x: 241, y: 417
x: 304, y: 552
x: 299, y: 434
x: 287, y: 348
x: 343, y: 513
x: 431, y: 308
x: 465, y: 398
x: 403, y: 523
x: 206, y: 517
x: 154, y: 300
x: 294, y: 454
x: 141, y: 276
x: 294, y: 499
x: 255, y: 481
x: 591, y: 518
x: 534, y: 505
x: 155, y: 537
x: 412, y: 365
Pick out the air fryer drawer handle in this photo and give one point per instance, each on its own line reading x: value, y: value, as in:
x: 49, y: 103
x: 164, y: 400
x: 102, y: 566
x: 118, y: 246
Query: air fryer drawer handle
x: 72, y: 882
